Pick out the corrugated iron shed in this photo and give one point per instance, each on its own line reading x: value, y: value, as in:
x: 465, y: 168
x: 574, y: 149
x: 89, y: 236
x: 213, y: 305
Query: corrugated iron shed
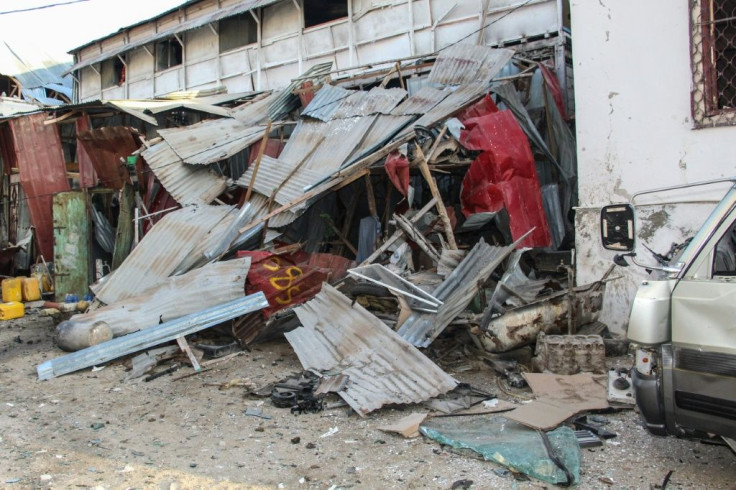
x: 339, y: 337
x: 105, y: 147
x: 211, y: 140
x: 457, y: 291
x: 467, y: 63
x: 170, y: 242
x: 187, y: 184
x: 42, y: 168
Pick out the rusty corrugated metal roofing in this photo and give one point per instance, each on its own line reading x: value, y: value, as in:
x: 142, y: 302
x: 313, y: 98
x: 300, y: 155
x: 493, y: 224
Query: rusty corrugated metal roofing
x: 467, y: 63
x: 187, y: 184
x: 421, y: 102
x: 220, y: 13
x: 340, y: 337
x: 272, y: 173
x: 212, y: 140
x: 105, y: 147
x: 165, y: 247
x: 42, y: 168
x: 282, y: 219
x: 455, y: 101
x: 457, y: 291
x: 325, y: 102
x: 375, y: 101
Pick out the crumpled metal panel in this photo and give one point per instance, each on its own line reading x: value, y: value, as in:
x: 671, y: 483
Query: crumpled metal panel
x: 42, y: 168
x: 374, y: 101
x: 187, y: 184
x: 456, y: 292
x: 165, y: 247
x: 421, y: 102
x: 272, y: 173
x: 105, y: 147
x: 281, y: 220
x: 174, y: 297
x: 212, y: 140
x: 339, y: 337
x: 325, y: 102
x: 455, y: 101
x: 466, y: 63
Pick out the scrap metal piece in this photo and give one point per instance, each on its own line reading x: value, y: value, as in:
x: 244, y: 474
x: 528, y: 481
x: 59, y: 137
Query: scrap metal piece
x: 570, y: 354
x: 456, y: 292
x: 144, y: 339
x: 520, y: 326
x: 339, y: 337
x: 466, y: 63
x: 380, y: 275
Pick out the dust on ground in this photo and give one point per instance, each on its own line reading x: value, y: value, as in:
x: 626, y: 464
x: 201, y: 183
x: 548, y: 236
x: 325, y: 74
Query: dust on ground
x: 96, y: 429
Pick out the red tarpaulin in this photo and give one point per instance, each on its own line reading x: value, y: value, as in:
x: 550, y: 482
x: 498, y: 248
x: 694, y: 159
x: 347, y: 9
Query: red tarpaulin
x: 397, y: 168
x: 291, y: 279
x: 554, y: 87
x: 504, y: 175
x: 42, y: 173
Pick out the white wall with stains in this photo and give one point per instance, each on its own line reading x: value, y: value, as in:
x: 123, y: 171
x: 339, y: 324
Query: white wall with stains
x: 635, y: 132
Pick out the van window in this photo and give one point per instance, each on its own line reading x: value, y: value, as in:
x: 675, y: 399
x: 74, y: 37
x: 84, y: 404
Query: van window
x: 725, y: 257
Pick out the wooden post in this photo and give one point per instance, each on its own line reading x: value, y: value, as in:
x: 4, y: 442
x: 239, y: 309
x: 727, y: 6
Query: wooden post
x: 371, y: 196
x: 452, y: 244
x: 262, y: 149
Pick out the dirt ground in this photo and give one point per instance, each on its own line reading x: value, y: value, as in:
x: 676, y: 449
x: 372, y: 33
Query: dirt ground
x: 95, y: 429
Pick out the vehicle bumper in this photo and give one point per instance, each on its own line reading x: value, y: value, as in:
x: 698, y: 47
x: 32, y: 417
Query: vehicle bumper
x: 649, y: 400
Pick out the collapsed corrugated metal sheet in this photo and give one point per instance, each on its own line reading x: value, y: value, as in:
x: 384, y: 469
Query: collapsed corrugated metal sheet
x: 254, y: 111
x: 187, y: 184
x: 340, y: 337
x: 171, y: 298
x: 169, y: 243
x: 105, y: 147
x: 211, y: 140
x: 457, y: 291
x: 421, y: 102
x: 272, y: 173
x: 220, y: 13
x: 455, y: 101
x: 40, y: 160
x: 325, y: 102
x: 285, y: 101
x: 374, y: 101
x: 282, y: 219
x: 467, y: 63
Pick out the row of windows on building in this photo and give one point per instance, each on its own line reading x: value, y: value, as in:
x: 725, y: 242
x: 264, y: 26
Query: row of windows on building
x: 233, y: 33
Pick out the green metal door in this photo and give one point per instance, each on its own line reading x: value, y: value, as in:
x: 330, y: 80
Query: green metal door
x: 71, y: 244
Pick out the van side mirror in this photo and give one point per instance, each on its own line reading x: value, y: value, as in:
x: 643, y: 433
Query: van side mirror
x: 617, y: 227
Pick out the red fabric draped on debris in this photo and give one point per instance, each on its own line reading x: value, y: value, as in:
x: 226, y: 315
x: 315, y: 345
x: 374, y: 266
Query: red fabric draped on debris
x: 291, y: 279
x: 397, y: 169
x: 503, y: 175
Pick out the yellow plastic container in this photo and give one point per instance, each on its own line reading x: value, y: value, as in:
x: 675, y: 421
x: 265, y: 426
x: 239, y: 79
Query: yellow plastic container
x: 12, y: 290
x: 31, y: 291
x: 11, y: 310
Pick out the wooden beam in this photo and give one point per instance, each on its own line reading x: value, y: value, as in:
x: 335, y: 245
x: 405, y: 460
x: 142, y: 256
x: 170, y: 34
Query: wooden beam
x: 416, y: 236
x: 452, y: 244
x: 371, y: 196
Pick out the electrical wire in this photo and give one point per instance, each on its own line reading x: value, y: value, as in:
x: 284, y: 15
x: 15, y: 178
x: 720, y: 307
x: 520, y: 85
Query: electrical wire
x: 42, y: 7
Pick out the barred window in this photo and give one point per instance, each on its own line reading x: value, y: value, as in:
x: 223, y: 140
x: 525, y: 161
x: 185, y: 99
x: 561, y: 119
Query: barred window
x: 713, y: 29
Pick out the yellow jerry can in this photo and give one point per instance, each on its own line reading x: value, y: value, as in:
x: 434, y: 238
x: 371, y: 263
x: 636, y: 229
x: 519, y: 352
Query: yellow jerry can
x: 11, y: 310
x: 12, y: 289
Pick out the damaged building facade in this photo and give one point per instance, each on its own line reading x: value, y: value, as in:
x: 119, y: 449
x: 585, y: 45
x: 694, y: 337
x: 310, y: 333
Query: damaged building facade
x: 666, y: 120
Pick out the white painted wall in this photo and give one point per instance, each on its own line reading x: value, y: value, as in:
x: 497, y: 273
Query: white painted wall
x: 381, y: 31
x: 635, y: 132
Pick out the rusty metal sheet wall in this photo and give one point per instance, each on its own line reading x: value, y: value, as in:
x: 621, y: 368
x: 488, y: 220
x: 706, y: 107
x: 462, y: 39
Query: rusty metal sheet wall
x: 71, y: 244
x: 42, y: 172
x: 87, y: 174
x: 344, y: 338
x: 105, y: 147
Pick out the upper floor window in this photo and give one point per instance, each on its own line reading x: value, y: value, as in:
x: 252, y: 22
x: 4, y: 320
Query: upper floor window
x: 236, y: 31
x: 713, y: 33
x: 320, y: 11
x: 112, y: 72
x: 168, y: 54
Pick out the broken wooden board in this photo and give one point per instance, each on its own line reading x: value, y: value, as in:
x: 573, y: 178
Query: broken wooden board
x: 407, y: 426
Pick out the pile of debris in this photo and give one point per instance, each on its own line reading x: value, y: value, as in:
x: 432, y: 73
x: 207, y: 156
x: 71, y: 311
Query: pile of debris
x: 367, y: 224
